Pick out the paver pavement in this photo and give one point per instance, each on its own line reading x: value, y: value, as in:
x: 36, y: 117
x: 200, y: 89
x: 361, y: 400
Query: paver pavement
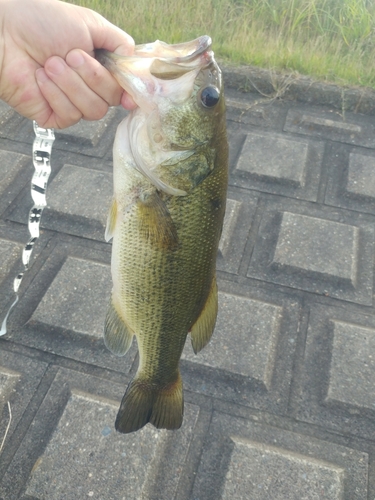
x: 281, y: 403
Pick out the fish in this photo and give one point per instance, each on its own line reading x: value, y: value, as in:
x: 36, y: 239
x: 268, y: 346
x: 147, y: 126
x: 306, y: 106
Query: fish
x: 170, y: 176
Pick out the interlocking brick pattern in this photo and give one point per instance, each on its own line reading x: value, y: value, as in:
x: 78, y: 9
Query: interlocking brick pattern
x: 281, y: 403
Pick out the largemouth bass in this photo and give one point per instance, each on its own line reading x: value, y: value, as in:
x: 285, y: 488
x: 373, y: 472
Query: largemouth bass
x: 170, y: 160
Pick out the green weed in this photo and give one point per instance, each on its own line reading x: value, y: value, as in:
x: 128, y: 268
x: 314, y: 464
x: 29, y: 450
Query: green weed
x: 332, y: 40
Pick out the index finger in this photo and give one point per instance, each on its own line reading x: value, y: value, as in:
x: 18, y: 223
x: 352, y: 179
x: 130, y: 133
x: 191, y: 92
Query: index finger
x: 106, y: 35
x: 95, y: 76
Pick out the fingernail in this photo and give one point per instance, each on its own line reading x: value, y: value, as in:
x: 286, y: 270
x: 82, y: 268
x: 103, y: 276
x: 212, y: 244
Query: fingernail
x: 75, y: 59
x: 128, y: 102
x: 41, y: 75
x: 125, y: 49
x: 55, y: 66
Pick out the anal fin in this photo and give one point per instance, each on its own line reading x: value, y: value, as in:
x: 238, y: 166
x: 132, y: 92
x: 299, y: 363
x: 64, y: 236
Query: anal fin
x: 117, y: 336
x: 156, y: 223
x: 203, y: 328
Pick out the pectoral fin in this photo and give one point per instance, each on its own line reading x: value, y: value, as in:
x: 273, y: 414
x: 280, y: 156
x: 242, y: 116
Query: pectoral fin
x: 177, y: 157
x: 203, y: 328
x: 187, y: 169
x: 117, y: 336
x: 156, y: 223
x: 111, y: 221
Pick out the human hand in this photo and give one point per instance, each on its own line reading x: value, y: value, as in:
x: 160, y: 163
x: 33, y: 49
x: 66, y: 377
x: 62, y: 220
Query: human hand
x: 48, y: 72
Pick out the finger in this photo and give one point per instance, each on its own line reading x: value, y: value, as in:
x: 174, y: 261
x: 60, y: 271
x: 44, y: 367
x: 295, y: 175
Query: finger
x: 95, y: 76
x: 127, y: 101
x: 90, y: 105
x: 62, y: 112
x: 106, y: 35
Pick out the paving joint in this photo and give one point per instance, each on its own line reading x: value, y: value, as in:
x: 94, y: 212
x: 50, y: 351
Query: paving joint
x: 281, y: 403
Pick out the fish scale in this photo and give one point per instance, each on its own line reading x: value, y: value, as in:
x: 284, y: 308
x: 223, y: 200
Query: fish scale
x: 166, y: 221
x: 175, y: 281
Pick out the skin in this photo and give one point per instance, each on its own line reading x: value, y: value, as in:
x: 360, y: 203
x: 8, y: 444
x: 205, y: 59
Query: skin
x: 47, y: 68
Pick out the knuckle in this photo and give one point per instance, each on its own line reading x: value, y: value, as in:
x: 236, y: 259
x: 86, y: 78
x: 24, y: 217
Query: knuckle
x: 96, y: 112
x: 68, y: 120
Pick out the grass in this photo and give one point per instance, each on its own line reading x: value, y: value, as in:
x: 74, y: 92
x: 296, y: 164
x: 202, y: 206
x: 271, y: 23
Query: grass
x: 331, y: 40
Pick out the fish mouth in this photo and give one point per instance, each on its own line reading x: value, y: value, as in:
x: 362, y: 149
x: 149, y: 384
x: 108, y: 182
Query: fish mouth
x: 180, y: 53
x: 154, y: 72
x: 159, y: 60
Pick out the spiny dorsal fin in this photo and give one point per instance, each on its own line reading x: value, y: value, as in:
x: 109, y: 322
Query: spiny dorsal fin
x: 203, y: 328
x: 156, y: 223
x: 117, y: 336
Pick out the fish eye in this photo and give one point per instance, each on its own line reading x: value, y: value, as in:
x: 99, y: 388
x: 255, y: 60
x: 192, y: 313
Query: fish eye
x: 210, y: 96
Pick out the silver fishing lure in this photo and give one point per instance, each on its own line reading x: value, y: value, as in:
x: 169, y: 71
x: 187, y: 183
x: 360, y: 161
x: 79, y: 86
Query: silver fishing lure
x: 42, y: 148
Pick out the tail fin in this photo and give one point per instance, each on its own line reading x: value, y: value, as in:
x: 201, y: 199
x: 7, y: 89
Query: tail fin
x: 145, y: 402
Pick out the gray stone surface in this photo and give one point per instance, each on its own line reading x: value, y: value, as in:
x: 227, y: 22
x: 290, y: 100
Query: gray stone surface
x: 10, y: 166
x: 279, y: 159
x: 333, y: 385
x: 350, y: 180
x: 74, y: 434
x: 278, y: 163
x: 67, y: 196
x: 250, y: 356
x: 237, y: 223
x: 13, y: 175
x: 87, y: 133
x: 244, y: 459
x: 360, y: 176
x: 92, y: 139
x: 348, y: 129
x: 261, y: 82
x: 270, y: 472
x: 281, y: 403
x: 245, y: 339
x: 9, y: 119
x: 5, y: 112
x: 10, y: 253
x: 303, y: 243
x: 230, y: 220
x: 20, y: 378
x: 97, y: 462
x: 352, y: 371
x: 74, y: 188
x: 73, y: 293
x: 315, y: 254
x: 77, y: 277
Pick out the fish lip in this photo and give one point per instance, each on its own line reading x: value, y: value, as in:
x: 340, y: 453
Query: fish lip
x: 104, y: 57
x: 203, y: 45
x: 198, y: 47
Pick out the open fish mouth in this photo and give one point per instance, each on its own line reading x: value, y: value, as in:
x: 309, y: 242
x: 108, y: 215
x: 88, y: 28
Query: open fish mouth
x: 180, y: 53
x: 170, y: 175
x: 159, y: 77
x: 159, y: 60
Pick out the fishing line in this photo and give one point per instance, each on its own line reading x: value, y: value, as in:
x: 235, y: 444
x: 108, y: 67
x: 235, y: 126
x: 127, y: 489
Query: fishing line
x: 42, y: 147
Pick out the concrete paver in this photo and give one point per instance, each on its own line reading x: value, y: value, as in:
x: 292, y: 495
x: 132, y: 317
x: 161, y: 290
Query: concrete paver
x: 281, y: 403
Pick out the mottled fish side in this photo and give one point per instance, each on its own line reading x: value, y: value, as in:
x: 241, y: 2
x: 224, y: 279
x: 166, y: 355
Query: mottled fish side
x: 165, y: 246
